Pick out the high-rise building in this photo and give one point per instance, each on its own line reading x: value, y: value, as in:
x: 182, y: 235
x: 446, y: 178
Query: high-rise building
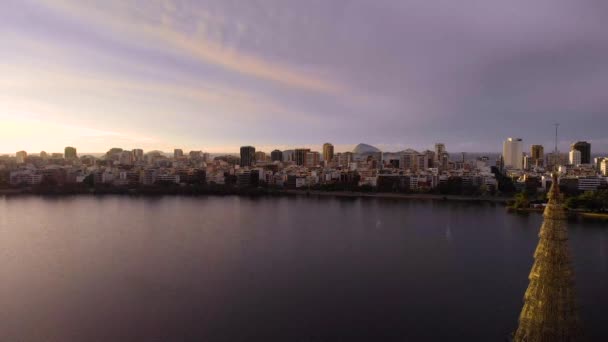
x: 138, y: 154
x: 537, y: 155
x: 126, y: 158
x: 178, y: 153
x: 550, y: 309
x: 585, y: 149
x: 597, y: 162
x: 300, y: 155
x: 44, y: 155
x: 195, y: 155
x: 289, y: 155
x: 312, y: 159
x: 247, y: 155
x: 276, y: 155
x: 70, y: 153
x: 260, y: 156
x: 574, y: 157
x: 439, y: 151
x: 512, y: 152
x: 20, y: 156
x: 604, y: 167
x: 344, y: 158
x: 328, y: 152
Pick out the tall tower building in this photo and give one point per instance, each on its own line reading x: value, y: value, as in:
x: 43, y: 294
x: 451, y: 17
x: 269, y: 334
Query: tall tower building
x: 276, y: 155
x: 138, y: 154
x: 312, y: 159
x: 300, y: 155
x: 70, y: 153
x: 328, y: 152
x: 439, y: 150
x: 20, y: 156
x: 550, y: 311
x: 260, y: 156
x: 585, y: 149
x: 574, y: 157
x: 537, y: 153
x: 512, y: 152
x: 178, y: 153
x: 247, y: 155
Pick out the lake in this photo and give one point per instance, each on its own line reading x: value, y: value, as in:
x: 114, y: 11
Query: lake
x: 114, y: 268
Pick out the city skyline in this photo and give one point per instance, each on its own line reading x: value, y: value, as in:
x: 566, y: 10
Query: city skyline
x: 219, y: 75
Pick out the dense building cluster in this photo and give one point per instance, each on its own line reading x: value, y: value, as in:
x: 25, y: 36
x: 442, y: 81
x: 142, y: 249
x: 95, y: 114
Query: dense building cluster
x: 301, y: 168
x: 577, y: 170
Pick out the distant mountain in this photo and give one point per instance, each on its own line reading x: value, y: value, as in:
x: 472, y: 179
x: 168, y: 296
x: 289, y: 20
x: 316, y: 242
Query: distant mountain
x: 365, y: 148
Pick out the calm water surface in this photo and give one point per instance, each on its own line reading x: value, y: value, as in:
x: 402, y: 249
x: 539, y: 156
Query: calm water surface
x: 275, y: 269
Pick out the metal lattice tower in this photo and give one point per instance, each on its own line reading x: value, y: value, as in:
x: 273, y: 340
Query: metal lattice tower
x: 550, y: 312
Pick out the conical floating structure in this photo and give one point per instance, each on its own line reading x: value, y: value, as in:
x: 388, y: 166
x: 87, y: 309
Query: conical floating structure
x: 550, y: 312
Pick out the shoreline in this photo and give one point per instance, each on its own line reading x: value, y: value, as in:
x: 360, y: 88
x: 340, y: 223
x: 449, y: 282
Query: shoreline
x: 252, y: 192
x: 390, y: 195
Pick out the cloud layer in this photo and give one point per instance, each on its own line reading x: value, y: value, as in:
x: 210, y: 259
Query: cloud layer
x: 216, y: 74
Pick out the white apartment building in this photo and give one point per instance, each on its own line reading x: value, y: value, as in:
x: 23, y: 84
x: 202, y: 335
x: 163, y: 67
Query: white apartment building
x: 574, y: 157
x: 512, y: 153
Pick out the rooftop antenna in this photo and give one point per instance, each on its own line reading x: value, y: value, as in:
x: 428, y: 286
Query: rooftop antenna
x: 555, y: 152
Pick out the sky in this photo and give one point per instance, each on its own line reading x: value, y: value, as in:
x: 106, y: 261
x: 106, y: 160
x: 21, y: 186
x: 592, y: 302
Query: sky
x: 213, y: 75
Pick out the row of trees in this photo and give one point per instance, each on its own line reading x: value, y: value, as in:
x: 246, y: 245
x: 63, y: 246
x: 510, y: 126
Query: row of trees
x: 596, y: 201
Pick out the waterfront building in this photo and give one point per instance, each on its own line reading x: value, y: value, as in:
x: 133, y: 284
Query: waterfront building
x: 312, y: 159
x: 512, y: 152
x: 585, y: 149
x: 550, y: 311
x: 574, y: 157
x: 328, y: 152
x: 300, y: 155
x: 408, y: 160
x: 589, y: 183
x: 70, y: 153
x: 247, y: 155
x: 276, y: 155
x: 537, y: 155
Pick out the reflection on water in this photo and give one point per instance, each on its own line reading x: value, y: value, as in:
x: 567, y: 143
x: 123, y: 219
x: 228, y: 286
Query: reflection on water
x: 293, y: 269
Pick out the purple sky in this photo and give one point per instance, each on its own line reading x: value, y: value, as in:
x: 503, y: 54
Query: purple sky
x: 217, y: 74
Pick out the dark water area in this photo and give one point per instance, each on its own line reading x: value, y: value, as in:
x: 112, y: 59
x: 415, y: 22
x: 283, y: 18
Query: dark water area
x: 276, y: 269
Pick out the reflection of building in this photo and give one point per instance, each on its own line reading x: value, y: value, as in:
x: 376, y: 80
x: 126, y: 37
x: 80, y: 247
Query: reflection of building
x: 512, y: 152
x: 550, y: 311
x: 328, y: 152
x: 247, y: 155
x: 585, y: 149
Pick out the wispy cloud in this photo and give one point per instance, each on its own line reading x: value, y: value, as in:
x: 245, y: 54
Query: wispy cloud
x: 124, y: 18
